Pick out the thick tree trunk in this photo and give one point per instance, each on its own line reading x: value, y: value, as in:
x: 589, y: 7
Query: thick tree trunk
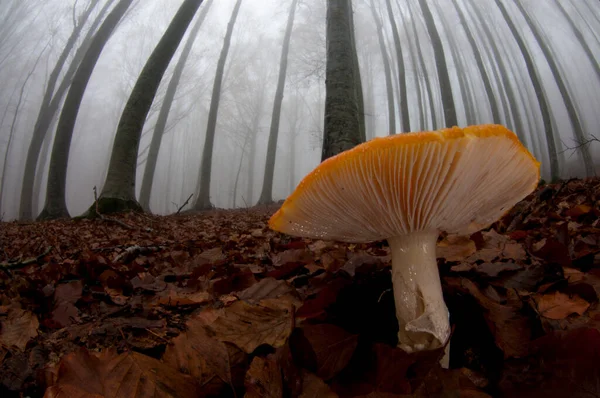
x: 402, y: 100
x: 441, y: 67
x: 203, y: 198
x: 55, y: 205
x: 49, y: 106
x: 163, y: 115
x: 386, y: 71
x: 342, y: 129
x: 539, y: 91
x: 118, y: 193
x: 480, y: 65
x: 266, y: 196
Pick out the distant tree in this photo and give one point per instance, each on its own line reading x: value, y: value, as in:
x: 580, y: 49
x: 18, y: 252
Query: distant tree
x: 161, y: 122
x: 487, y: 84
x: 360, y: 101
x: 403, y: 97
x: 118, y: 193
x: 342, y: 128
x: 387, y: 72
x: 441, y: 67
x: 55, y: 206
x: 51, y: 102
x: 266, y: 195
x: 415, y: 69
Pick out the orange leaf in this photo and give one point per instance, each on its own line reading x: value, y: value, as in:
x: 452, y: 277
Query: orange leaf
x: 558, y: 305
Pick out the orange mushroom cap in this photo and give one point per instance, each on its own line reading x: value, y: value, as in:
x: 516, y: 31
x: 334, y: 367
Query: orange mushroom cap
x: 455, y: 180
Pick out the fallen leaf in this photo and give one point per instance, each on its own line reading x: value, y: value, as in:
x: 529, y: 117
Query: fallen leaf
x: 558, y: 305
x: 270, y: 288
x: 18, y: 327
x: 455, y: 248
x: 315, y: 387
x: 263, y: 379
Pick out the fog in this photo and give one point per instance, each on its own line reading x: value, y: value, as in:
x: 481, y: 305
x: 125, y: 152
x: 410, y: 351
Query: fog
x: 34, y: 32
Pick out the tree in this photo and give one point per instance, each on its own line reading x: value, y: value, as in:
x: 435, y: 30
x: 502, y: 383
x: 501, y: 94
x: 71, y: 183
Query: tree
x: 118, y: 193
x: 266, y: 195
x: 403, y: 98
x: 203, y: 198
x: 55, y: 206
x: 539, y: 91
x: 386, y: 71
x: 161, y: 122
x: 51, y: 102
x: 342, y: 120
x: 441, y: 67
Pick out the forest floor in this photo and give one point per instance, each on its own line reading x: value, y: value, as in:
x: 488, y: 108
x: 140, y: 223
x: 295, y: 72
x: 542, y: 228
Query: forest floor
x: 217, y: 304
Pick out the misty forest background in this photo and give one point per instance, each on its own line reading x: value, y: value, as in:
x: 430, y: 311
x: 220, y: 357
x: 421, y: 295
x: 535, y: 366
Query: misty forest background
x: 78, y: 108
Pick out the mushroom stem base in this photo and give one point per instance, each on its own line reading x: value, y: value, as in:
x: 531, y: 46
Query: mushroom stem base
x: 420, y: 309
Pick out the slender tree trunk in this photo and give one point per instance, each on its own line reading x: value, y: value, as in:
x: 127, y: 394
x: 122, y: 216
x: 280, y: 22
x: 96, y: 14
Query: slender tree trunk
x: 403, y: 99
x: 48, y: 108
x: 357, y: 79
x: 480, y: 65
x: 203, y: 198
x: 386, y: 71
x: 416, y: 74
x: 441, y: 67
x: 539, y: 91
x: 163, y: 115
x: 55, y: 206
x: 252, y: 152
x: 118, y: 193
x: 424, y: 69
x: 266, y: 196
x: 342, y: 129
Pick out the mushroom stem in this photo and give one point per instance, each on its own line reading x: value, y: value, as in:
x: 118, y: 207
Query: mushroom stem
x: 422, y: 314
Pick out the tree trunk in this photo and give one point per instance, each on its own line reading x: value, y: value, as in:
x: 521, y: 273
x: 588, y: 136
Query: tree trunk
x: 402, y: 100
x: 358, y: 81
x: 441, y: 67
x: 386, y: 70
x: 539, y: 91
x: 163, y: 115
x: 118, y: 193
x: 266, y: 196
x: 417, y: 78
x: 480, y: 65
x: 55, y: 206
x: 342, y: 129
x: 48, y: 108
x: 203, y: 198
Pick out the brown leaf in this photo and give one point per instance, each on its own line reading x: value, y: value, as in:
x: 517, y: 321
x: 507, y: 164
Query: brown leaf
x: 455, y: 248
x: 270, y: 288
x: 315, y: 387
x: 497, y: 246
x: 176, y: 298
x: 263, y: 379
x: 213, y: 255
x: 250, y: 325
x: 292, y: 256
x: 130, y: 374
x: 558, y: 305
x: 324, y: 349
x: 18, y: 327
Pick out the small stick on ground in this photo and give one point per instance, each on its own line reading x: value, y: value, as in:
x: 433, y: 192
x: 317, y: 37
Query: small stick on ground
x: 20, y: 264
x: 184, y: 204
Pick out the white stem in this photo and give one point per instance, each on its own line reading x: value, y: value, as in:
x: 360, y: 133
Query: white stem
x: 420, y: 308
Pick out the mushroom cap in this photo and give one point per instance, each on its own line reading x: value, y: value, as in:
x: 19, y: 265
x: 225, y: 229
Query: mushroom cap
x: 455, y: 180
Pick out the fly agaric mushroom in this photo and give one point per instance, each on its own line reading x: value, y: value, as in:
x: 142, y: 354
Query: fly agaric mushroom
x: 407, y: 188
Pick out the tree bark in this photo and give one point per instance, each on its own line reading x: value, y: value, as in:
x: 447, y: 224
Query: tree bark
x: 203, y: 198
x: 342, y: 120
x: 266, y: 196
x: 163, y: 115
x: 55, y: 205
x: 441, y: 67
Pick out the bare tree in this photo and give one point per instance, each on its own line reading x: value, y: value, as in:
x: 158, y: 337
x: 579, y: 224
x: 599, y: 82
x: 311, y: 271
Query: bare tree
x: 441, y: 66
x: 266, y: 196
x: 342, y: 129
x: 161, y: 122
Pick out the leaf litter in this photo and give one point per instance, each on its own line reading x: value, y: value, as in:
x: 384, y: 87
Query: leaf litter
x: 217, y: 304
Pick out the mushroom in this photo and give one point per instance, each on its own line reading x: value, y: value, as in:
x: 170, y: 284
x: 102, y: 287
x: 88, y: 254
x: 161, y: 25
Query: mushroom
x: 407, y: 188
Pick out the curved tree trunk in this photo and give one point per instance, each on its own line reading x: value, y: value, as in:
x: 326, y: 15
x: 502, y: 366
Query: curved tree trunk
x: 55, y: 205
x: 441, y: 67
x: 480, y: 65
x: 119, y: 188
x: 49, y: 106
x: 266, y: 196
x: 539, y: 91
x: 403, y: 99
x: 386, y: 70
x: 203, y: 198
x: 342, y: 129
x: 163, y: 115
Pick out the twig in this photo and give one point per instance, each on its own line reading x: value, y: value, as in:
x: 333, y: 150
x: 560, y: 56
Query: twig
x: 131, y: 252
x: 20, y: 264
x: 186, y: 202
x: 580, y: 144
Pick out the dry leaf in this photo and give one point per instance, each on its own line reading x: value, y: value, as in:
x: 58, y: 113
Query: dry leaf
x: 559, y: 305
x: 263, y: 379
x: 18, y: 327
x: 315, y: 387
x: 455, y: 248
